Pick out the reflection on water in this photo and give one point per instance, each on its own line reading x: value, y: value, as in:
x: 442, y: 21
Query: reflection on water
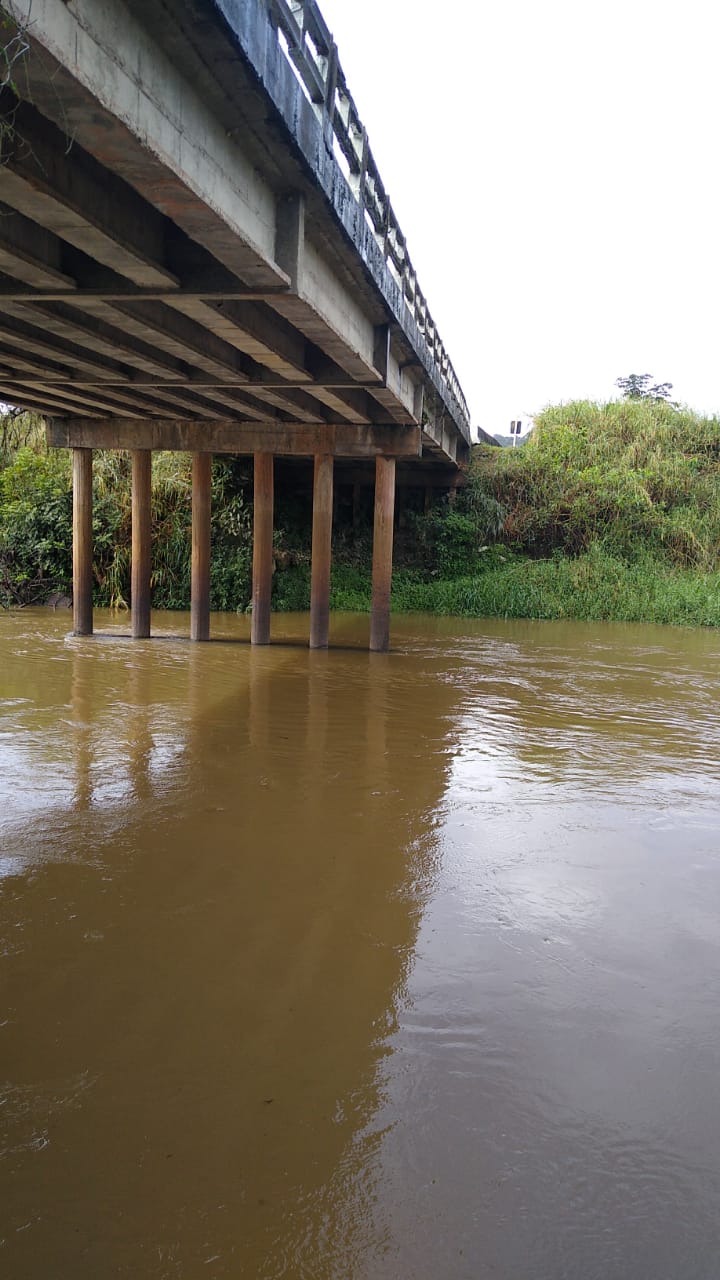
x: 338, y: 964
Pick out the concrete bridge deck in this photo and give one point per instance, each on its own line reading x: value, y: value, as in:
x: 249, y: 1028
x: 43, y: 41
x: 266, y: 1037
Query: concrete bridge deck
x: 197, y: 252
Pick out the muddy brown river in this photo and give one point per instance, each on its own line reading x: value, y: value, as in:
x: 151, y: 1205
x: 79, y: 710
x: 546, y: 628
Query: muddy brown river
x: 352, y: 966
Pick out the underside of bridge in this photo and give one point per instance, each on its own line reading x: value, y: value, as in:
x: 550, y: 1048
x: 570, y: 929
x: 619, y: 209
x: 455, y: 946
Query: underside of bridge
x: 197, y: 253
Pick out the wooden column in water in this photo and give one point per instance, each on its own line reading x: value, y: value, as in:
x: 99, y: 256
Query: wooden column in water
x: 321, y: 551
x: 200, y: 560
x: 382, y: 553
x: 262, y: 548
x: 82, y: 542
x: 141, y: 543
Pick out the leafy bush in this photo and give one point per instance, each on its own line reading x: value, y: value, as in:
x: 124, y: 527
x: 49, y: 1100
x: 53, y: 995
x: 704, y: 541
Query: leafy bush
x: 638, y: 475
x: 35, y: 527
x: 291, y: 588
x: 231, y: 579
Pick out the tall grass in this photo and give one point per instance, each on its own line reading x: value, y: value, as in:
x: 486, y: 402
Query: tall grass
x: 593, y: 587
x: 638, y: 476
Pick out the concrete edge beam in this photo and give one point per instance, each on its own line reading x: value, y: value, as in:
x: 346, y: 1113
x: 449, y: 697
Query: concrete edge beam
x: 342, y: 440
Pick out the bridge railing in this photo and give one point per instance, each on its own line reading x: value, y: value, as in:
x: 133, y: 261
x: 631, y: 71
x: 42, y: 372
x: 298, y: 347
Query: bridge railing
x: 311, y: 51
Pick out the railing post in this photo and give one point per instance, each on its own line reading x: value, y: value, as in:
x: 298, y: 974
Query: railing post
x: 141, y: 543
x: 200, y: 551
x: 262, y: 548
x: 82, y: 542
x: 382, y: 554
x: 321, y: 551
x: 330, y: 87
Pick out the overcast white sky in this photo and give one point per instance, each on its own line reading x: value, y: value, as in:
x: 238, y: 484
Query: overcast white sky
x: 555, y: 169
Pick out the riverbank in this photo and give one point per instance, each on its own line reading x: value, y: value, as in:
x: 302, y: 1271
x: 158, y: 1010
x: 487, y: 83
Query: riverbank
x: 610, y: 513
x: 595, y: 587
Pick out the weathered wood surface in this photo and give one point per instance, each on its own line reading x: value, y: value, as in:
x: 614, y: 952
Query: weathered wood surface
x: 200, y: 547
x: 382, y: 554
x: 141, y: 544
x: 321, y: 551
x: 262, y: 548
x: 82, y: 542
x: 228, y: 436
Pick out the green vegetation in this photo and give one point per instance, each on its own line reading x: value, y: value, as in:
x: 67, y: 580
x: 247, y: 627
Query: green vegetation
x: 608, y: 512
x: 36, y: 525
x: 640, y: 386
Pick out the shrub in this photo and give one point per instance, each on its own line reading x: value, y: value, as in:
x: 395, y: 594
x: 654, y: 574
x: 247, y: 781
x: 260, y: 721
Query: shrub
x: 35, y: 527
x: 637, y: 475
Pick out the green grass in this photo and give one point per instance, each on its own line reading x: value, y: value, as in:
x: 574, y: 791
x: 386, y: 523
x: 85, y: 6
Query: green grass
x: 594, y: 587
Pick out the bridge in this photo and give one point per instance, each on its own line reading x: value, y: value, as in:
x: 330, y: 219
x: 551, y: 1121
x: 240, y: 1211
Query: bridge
x: 197, y: 252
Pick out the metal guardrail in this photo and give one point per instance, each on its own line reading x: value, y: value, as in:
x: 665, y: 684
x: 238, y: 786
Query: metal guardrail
x: 312, y: 52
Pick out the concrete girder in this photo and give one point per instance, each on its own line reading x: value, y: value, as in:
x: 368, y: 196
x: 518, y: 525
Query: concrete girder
x: 151, y: 298
x: 97, y: 337
x: 249, y: 328
x: 30, y: 337
x: 319, y: 291
x: 173, y: 333
x: 40, y: 401
x: 229, y: 436
x: 30, y: 253
x: 68, y: 399
x: 352, y: 405
x: 112, y: 397
x: 167, y: 143
x: 82, y: 203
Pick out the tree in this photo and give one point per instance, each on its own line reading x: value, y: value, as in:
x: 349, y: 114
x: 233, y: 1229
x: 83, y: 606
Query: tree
x: 637, y: 387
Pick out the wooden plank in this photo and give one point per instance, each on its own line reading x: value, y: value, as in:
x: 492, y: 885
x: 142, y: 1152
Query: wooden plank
x: 321, y: 551
x: 382, y: 554
x: 229, y: 436
x: 82, y: 542
x: 200, y: 553
x: 262, y: 548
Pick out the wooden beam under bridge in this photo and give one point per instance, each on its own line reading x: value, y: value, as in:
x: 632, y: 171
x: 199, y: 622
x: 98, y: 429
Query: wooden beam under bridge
x: 342, y: 440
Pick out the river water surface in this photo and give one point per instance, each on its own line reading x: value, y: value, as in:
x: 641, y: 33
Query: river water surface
x: 352, y: 966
